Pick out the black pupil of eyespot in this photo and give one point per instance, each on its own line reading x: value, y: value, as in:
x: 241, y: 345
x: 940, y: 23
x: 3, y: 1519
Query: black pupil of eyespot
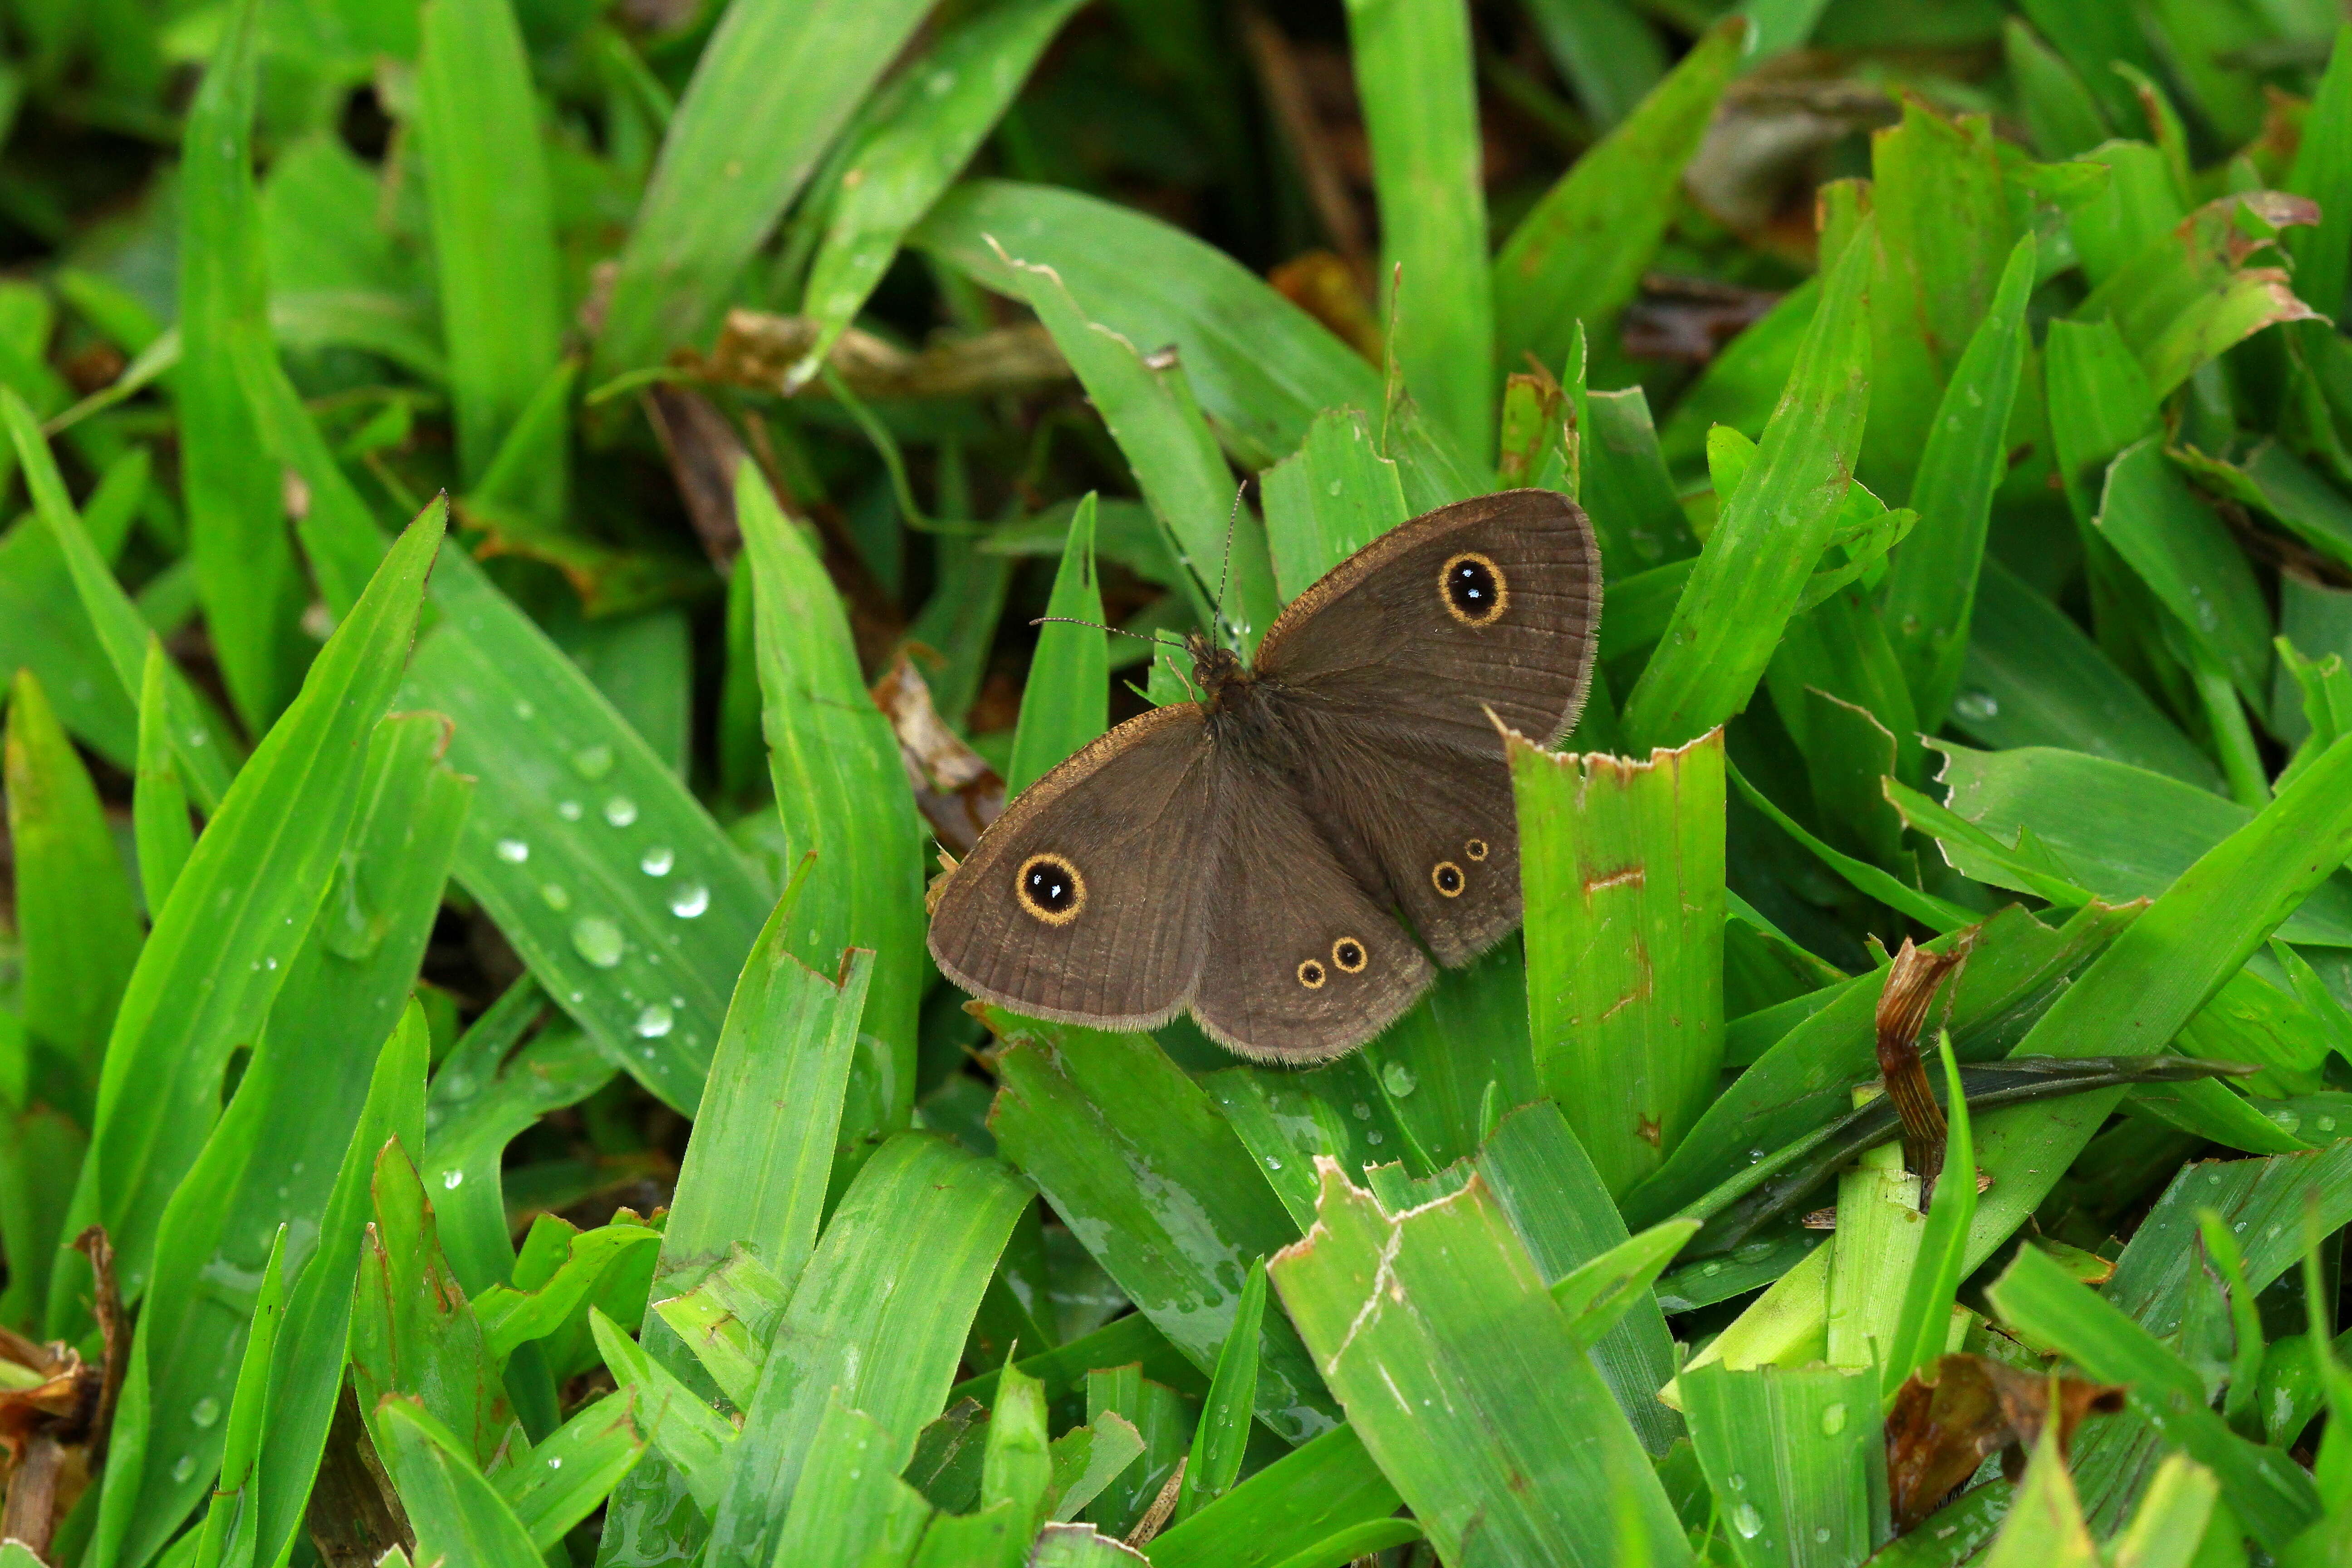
x: 1472, y: 584
x: 1450, y: 876
x: 1347, y: 953
x: 1049, y: 887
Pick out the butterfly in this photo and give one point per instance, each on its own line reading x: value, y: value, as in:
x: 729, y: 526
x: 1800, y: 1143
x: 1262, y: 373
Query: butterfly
x: 1244, y: 857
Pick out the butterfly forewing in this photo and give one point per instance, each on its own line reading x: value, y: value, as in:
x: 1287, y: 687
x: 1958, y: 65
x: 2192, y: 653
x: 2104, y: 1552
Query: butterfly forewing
x: 1489, y: 603
x: 1083, y: 902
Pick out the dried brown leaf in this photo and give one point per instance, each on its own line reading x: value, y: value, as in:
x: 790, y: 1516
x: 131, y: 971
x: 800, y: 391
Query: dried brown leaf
x: 1961, y: 1408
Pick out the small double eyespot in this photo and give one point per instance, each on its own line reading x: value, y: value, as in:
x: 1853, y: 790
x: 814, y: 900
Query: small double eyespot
x: 1347, y: 955
x: 1050, y: 887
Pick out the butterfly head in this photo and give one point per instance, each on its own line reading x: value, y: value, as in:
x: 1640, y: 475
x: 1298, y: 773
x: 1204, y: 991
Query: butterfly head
x: 1216, y: 669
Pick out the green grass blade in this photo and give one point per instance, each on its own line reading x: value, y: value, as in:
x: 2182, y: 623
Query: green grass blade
x: 1931, y: 588
x: 2146, y: 830
x: 1419, y: 91
x: 694, y: 1439
x: 159, y: 803
x: 207, y: 752
x: 1622, y: 868
x: 413, y: 1337
x: 852, y: 1507
x: 842, y: 790
x: 2190, y: 561
x: 1773, y: 528
x: 751, y: 1177
x: 246, y: 571
x: 477, y: 120
x: 565, y: 1479
x: 456, y: 1512
x: 1016, y: 1467
x: 1119, y: 1139
x: 2186, y: 296
x: 1578, y: 254
x: 1224, y: 1432
x: 1924, y: 1329
x: 1795, y: 1459
x: 2323, y: 172
x: 773, y: 86
x: 1328, y: 499
x: 1402, y: 1312
x: 2061, y: 118
x: 2016, y: 967
x: 1603, y: 49
x: 306, y: 1368
x: 231, y: 1515
x: 607, y: 875
x: 43, y: 629
x: 2045, y: 1527
x: 1151, y: 415
x: 1324, y: 1487
x: 2159, y: 974
x: 1263, y: 368
x: 1066, y: 701
x: 475, y: 1111
x: 2033, y: 678
x: 2171, y: 1521
x: 1556, y: 1201
x: 880, y: 1314
x: 1628, y: 490
x: 272, y: 1158
x: 946, y: 106
x: 2270, y: 1494
x: 77, y: 921
x: 219, y: 949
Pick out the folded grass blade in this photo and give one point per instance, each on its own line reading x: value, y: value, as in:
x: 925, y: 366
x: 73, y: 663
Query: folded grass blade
x: 1065, y: 701
x: 1404, y: 1313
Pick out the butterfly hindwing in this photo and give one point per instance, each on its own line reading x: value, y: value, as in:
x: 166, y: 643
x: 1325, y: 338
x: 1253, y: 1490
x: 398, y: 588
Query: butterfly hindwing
x: 1302, y: 963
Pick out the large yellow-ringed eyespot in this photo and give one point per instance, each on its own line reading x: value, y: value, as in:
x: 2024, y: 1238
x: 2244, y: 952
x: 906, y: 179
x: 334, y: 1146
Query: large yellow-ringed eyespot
x: 1447, y: 878
x: 1311, y: 974
x: 1050, y: 887
x: 1475, y: 848
x: 1472, y: 589
x: 1349, y: 955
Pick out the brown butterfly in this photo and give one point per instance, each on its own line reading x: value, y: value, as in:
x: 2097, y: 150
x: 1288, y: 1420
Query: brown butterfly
x: 1241, y: 856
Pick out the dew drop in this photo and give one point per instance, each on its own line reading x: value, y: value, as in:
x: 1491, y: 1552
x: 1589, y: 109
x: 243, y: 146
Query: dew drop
x: 1397, y: 1080
x: 204, y: 1411
x: 1273, y: 1162
x: 1363, y: 1111
x: 657, y: 861
x: 1832, y: 1420
x: 620, y: 811
x: 458, y: 1085
x: 1374, y: 1138
x: 525, y: 711
x: 452, y: 1180
x: 597, y: 939
x: 689, y: 900
x: 654, y: 1022
x: 1822, y: 1534
x: 1977, y: 704
x: 1712, y: 1269
x: 593, y: 761
x: 555, y: 1462
x: 184, y: 1467
x: 2327, y: 1125
x: 568, y: 809
x: 513, y: 851
x: 557, y: 899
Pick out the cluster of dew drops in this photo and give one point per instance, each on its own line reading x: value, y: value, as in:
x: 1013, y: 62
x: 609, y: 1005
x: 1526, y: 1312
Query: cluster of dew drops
x: 595, y: 937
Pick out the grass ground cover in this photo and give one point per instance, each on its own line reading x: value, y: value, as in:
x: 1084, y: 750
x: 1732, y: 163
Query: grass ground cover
x: 522, y: 530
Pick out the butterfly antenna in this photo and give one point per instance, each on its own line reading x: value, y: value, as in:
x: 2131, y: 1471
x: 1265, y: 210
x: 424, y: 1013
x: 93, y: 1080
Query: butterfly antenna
x: 1224, y: 567
x: 1156, y: 640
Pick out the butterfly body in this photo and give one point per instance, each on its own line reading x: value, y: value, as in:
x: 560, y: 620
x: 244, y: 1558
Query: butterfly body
x: 1246, y: 856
